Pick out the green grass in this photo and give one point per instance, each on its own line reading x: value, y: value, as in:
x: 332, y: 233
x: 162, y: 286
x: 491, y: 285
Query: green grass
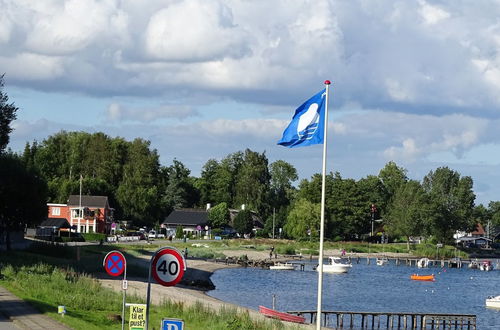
x: 90, y: 306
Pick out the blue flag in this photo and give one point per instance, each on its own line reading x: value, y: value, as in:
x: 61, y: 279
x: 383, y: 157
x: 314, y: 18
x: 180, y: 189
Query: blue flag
x: 307, y: 125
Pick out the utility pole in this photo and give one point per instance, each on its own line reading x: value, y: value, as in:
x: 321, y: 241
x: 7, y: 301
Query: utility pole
x: 373, y: 209
x: 274, y: 214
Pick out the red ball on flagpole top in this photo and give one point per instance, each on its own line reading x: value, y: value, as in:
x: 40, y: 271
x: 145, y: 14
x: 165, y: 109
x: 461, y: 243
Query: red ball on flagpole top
x: 327, y: 82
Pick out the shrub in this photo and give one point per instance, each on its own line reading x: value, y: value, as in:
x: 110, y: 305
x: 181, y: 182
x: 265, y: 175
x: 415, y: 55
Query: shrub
x: 94, y: 237
x: 286, y: 249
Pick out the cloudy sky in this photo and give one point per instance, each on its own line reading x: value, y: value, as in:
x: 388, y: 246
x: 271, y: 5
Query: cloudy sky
x: 416, y: 82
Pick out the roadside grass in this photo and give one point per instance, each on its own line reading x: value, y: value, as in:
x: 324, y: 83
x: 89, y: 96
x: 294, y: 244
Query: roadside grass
x: 91, y: 306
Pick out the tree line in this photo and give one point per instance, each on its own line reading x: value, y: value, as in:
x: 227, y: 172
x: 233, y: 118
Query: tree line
x: 144, y: 191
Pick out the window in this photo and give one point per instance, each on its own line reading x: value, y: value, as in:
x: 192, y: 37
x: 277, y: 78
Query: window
x: 56, y: 211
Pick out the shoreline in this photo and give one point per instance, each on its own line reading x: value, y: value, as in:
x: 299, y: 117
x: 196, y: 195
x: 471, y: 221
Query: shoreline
x: 196, y: 282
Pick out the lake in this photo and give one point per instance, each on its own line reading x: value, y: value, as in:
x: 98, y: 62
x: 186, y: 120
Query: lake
x: 366, y: 288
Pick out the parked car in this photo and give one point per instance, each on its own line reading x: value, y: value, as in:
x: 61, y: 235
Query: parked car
x: 136, y: 233
x: 152, y: 234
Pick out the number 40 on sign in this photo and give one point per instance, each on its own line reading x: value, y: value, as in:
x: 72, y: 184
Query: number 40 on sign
x: 168, y: 266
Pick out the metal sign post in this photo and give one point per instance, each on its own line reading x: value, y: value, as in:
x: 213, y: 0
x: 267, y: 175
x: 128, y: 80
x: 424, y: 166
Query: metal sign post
x: 167, y: 266
x: 115, y: 264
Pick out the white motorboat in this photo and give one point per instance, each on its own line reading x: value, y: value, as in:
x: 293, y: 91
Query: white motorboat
x: 282, y: 266
x: 336, y: 265
x: 486, y: 266
x: 493, y: 302
x: 382, y: 261
x: 423, y: 263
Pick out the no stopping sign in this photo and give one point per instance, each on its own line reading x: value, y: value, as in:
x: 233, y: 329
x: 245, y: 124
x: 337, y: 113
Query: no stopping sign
x: 168, y: 266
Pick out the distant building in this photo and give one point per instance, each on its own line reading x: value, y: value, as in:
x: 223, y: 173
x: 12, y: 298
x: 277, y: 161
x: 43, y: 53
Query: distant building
x: 91, y: 214
x: 51, y: 228
x: 195, y: 220
x: 476, y: 238
x: 191, y: 220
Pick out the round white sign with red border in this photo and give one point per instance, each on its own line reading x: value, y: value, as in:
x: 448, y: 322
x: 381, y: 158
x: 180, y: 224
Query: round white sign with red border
x: 168, y: 266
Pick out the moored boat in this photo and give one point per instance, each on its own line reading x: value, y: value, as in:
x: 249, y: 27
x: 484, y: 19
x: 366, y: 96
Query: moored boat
x: 281, y: 315
x: 486, y: 266
x: 382, y: 261
x: 282, y: 266
x: 335, y: 265
x: 423, y: 263
x: 493, y: 302
x: 417, y: 277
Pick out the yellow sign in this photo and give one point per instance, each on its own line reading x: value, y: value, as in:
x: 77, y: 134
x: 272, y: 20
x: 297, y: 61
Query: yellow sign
x: 137, y: 320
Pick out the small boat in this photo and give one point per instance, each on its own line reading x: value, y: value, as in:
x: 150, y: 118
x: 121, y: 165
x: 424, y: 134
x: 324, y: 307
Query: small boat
x: 474, y: 264
x: 486, y: 266
x: 382, y: 261
x: 417, y: 277
x: 493, y: 302
x: 281, y: 315
x: 423, y: 263
x: 282, y: 266
x: 335, y: 265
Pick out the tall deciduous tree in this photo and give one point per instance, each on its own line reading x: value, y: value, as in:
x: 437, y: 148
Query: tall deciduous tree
x: 252, y: 183
x: 7, y: 115
x: 303, y: 220
x: 218, y: 215
x: 243, y: 222
x: 452, y: 202
x: 408, y: 211
x: 392, y: 177
x: 23, y: 196
x: 138, y: 192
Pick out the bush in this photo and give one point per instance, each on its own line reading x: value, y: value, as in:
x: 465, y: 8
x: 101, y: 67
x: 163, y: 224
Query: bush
x: 93, y: 237
x: 285, y: 249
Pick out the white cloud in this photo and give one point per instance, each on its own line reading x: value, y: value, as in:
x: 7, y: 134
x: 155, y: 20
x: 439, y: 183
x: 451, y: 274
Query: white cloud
x: 117, y: 113
x: 432, y: 14
x: 33, y: 67
x: 195, y: 30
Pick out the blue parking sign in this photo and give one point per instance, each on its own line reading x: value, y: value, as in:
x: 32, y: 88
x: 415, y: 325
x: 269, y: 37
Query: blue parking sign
x: 172, y: 324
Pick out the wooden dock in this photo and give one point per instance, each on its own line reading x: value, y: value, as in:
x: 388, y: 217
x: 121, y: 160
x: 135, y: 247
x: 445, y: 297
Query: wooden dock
x: 378, y: 320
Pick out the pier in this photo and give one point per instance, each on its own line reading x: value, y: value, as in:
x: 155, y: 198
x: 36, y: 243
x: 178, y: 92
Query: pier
x: 379, y: 320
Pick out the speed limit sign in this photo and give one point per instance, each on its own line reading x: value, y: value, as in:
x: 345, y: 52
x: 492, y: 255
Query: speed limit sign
x: 168, y: 266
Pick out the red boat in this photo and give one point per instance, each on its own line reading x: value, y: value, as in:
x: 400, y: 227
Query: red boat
x: 280, y: 315
x: 422, y: 277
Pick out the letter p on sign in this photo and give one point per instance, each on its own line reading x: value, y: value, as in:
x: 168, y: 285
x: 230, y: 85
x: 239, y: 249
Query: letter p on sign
x: 172, y: 324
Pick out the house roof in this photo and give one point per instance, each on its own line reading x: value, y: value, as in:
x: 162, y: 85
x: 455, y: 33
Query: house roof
x: 479, y: 230
x: 55, y: 222
x: 257, y: 222
x: 88, y: 201
x: 191, y: 217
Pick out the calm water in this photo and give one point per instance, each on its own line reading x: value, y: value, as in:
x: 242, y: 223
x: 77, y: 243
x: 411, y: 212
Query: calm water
x: 367, y: 288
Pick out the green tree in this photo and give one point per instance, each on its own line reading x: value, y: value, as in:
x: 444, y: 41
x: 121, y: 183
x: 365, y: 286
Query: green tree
x: 408, y: 211
x: 283, y: 175
x: 452, y: 202
x: 179, y: 232
x: 179, y: 189
x: 392, y: 177
x: 138, y: 192
x: 7, y: 115
x: 494, y: 212
x: 243, y: 222
x: 303, y: 220
x: 347, y: 209
x: 23, y: 196
x: 252, y: 183
x: 218, y: 215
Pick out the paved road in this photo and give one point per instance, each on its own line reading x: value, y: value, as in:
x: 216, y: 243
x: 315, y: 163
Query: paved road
x: 6, y: 324
x: 23, y: 315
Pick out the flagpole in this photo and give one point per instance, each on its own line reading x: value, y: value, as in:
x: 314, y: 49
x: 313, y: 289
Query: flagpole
x: 322, y: 224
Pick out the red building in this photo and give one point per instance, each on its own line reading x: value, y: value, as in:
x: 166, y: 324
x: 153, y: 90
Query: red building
x: 85, y: 214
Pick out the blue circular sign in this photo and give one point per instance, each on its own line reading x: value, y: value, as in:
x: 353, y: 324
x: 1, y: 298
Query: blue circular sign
x: 114, y: 263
